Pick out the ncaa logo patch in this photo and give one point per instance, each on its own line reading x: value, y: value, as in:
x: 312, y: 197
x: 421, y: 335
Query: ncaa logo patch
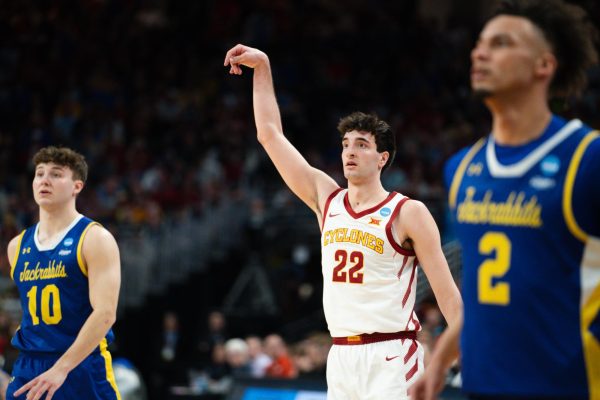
x: 385, y: 212
x: 68, y: 242
x: 550, y: 165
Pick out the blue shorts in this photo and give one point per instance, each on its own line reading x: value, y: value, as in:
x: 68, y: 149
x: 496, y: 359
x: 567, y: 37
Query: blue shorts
x: 93, y: 379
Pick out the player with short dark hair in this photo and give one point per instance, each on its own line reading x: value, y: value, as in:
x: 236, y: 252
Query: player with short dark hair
x: 525, y: 201
x: 385, y: 140
x: 370, y: 240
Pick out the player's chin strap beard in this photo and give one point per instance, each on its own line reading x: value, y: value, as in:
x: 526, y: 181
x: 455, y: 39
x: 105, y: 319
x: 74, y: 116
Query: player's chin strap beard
x: 481, y: 94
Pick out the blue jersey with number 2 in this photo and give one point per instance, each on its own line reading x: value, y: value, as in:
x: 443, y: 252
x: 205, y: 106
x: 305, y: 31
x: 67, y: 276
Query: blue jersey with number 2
x: 528, y: 220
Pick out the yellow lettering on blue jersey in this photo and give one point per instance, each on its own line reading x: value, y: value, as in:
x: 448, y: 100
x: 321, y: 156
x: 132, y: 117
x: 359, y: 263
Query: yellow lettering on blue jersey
x: 516, y: 210
x: 53, y: 270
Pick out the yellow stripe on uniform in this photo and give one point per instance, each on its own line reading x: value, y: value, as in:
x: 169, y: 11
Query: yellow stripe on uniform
x: 460, y: 171
x: 80, y: 261
x: 591, y: 346
x: 590, y: 310
x: 567, y: 204
x: 17, y: 252
x: 110, y: 375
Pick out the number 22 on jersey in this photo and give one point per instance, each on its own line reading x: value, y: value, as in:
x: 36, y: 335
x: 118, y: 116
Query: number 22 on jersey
x: 491, y: 289
x: 354, y: 274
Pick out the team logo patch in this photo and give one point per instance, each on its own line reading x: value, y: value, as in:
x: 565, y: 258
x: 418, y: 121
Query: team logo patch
x: 385, y: 212
x: 550, y: 165
x: 68, y: 242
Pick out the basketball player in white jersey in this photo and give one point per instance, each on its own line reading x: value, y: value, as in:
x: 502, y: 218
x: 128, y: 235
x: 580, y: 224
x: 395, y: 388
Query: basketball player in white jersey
x: 371, y: 240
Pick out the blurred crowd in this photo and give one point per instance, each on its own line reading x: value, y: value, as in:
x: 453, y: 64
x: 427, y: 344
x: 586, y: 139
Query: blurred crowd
x: 139, y: 88
x: 218, y: 357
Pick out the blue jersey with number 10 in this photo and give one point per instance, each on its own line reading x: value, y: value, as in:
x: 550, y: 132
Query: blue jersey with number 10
x: 528, y: 220
x: 54, y: 291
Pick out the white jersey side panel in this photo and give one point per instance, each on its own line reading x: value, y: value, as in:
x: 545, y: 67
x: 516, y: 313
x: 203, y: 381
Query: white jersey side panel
x: 369, y: 281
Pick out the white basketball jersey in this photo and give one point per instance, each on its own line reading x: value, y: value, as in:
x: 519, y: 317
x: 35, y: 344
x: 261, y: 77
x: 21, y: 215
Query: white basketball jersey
x: 369, y: 281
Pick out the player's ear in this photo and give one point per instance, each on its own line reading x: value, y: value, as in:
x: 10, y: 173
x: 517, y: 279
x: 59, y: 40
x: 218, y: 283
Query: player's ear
x: 78, y: 187
x: 545, y: 65
x: 384, y: 157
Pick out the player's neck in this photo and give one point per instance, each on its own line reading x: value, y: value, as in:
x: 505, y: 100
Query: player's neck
x: 366, y: 195
x: 55, y: 220
x: 518, y: 120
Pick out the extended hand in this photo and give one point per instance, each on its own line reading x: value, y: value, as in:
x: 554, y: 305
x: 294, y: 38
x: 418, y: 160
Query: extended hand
x: 244, y: 55
x: 48, y: 382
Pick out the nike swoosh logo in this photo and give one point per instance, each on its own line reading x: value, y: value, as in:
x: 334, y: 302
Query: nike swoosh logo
x: 390, y: 358
x: 333, y: 215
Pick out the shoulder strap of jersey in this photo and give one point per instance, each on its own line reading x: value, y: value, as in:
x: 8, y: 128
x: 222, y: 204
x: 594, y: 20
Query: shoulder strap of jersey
x: 389, y: 226
x: 80, y: 260
x: 327, y: 203
x: 17, y: 252
x: 567, y: 202
x: 460, y: 171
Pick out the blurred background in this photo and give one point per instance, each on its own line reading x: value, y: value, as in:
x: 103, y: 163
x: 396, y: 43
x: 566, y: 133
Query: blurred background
x: 221, y: 286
